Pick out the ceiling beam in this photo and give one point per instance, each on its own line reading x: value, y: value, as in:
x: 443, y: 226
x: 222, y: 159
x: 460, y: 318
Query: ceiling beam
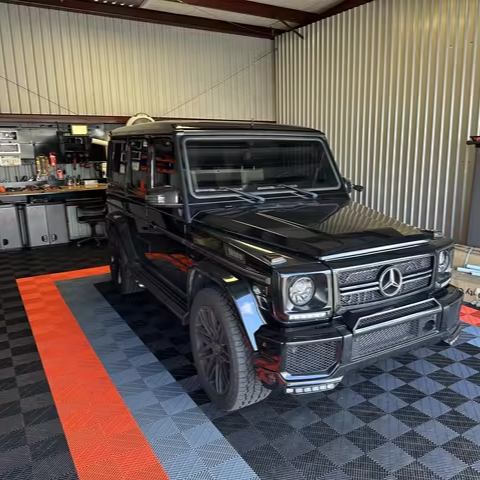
x: 14, y: 118
x: 256, y: 9
x: 336, y: 10
x: 150, y: 16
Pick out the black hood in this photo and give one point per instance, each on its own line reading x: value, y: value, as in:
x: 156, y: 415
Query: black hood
x: 313, y: 228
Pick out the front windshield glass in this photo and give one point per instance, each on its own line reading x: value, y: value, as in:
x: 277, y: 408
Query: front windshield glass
x: 259, y: 165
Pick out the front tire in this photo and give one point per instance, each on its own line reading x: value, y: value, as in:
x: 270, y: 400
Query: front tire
x: 223, y: 359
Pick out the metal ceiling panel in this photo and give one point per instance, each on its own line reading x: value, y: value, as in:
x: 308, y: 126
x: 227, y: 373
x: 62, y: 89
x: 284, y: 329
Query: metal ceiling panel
x: 316, y: 6
x: 184, y: 9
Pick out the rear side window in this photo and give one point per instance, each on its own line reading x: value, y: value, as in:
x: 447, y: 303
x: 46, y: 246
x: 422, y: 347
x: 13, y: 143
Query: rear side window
x: 163, y: 164
x: 138, y: 164
x: 118, y: 167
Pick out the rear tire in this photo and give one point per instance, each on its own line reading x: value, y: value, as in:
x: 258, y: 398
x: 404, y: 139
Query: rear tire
x: 121, y: 277
x: 223, y: 359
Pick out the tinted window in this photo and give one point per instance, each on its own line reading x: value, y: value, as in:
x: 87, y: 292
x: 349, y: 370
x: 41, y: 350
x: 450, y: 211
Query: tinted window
x: 118, y: 166
x: 259, y: 164
x: 138, y: 164
x: 163, y: 162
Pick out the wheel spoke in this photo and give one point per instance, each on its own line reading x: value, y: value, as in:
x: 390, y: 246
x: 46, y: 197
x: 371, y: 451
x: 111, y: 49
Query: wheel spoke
x: 206, y: 356
x: 210, y: 367
x: 208, y: 325
x: 225, y: 357
x: 205, y: 336
x: 206, y: 348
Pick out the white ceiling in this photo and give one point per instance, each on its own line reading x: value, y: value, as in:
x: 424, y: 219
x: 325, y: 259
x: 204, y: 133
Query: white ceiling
x: 175, y: 6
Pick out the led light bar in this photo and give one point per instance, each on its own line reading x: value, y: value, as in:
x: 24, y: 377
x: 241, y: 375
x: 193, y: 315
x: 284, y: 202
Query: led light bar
x: 312, y: 389
x: 306, y: 316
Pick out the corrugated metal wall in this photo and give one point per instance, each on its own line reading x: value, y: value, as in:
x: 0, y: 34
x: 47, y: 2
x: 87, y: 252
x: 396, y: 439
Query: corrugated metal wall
x: 85, y: 64
x: 396, y: 87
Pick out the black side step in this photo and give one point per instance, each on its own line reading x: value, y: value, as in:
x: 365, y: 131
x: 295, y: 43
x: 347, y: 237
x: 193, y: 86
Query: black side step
x: 177, y: 305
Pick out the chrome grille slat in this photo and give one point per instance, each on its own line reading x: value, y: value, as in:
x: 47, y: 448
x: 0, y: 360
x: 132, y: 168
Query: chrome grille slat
x: 390, y: 336
x: 374, y: 295
x: 370, y: 274
x: 359, y: 286
x: 395, y: 313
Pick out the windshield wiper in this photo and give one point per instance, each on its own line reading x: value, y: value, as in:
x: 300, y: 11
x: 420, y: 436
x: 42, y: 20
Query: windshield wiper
x: 248, y: 196
x: 307, y: 193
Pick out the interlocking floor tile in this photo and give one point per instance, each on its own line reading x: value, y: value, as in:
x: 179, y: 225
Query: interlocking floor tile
x: 414, y: 416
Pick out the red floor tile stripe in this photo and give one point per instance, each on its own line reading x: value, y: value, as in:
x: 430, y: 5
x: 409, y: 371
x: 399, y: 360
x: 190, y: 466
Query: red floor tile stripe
x: 104, y: 439
x: 470, y: 315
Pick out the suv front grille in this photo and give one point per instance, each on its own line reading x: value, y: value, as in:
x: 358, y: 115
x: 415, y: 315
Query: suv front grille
x: 359, y: 286
x: 370, y: 274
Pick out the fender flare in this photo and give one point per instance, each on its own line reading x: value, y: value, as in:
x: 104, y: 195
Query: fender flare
x: 205, y: 273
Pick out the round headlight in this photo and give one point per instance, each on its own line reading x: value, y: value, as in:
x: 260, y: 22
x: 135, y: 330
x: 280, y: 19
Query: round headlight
x: 444, y: 261
x: 301, y: 291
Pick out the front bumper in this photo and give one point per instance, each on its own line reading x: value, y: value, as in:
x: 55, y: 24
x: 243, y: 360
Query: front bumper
x: 311, y: 359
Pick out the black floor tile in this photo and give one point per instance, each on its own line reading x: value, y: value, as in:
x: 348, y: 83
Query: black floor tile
x: 28, y: 417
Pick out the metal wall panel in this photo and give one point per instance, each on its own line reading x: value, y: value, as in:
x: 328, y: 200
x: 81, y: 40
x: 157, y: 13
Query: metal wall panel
x: 396, y: 87
x: 91, y: 65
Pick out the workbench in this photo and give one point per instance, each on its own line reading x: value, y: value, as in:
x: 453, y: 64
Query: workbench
x: 65, y: 197
x: 22, y: 196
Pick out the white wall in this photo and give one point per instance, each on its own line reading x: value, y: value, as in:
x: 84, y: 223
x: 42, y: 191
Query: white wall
x: 395, y: 84
x: 94, y: 65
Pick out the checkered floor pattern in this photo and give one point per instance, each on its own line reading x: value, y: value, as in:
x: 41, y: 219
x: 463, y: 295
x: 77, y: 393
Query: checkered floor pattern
x: 415, y: 416
x: 32, y: 441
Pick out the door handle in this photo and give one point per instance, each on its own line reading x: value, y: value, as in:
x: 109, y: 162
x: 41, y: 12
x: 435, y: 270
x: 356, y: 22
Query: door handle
x: 44, y: 238
x: 5, y: 241
x: 54, y: 237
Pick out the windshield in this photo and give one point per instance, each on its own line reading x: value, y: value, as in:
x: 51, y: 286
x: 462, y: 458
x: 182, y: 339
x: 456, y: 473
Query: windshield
x: 259, y: 165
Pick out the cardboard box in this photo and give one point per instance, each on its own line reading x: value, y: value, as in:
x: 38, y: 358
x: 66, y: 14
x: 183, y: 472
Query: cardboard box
x: 464, y: 255
x: 469, y: 284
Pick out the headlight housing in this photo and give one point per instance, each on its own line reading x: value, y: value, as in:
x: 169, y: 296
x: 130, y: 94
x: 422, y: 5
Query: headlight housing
x: 444, y: 266
x: 444, y: 261
x: 301, y: 291
x: 302, y: 297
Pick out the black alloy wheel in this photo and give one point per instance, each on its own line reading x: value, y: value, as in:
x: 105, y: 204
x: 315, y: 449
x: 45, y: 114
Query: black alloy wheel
x: 213, y: 350
x: 222, y: 354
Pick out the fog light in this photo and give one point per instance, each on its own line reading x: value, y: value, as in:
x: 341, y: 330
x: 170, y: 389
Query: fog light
x: 316, y: 388
x: 289, y: 390
x: 307, y: 389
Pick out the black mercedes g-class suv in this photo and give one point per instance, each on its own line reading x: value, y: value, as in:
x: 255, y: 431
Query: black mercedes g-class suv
x: 247, y: 232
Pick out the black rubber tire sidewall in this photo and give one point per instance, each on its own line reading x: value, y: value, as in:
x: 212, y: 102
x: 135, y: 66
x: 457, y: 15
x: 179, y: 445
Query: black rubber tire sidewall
x: 240, y: 356
x: 128, y: 284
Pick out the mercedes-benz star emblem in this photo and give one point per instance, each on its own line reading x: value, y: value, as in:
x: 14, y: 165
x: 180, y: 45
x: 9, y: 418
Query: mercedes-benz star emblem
x: 390, y: 281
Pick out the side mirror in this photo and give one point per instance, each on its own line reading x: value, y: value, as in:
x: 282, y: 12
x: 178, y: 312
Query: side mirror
x: 166, y: 196
x: 351, y: 186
